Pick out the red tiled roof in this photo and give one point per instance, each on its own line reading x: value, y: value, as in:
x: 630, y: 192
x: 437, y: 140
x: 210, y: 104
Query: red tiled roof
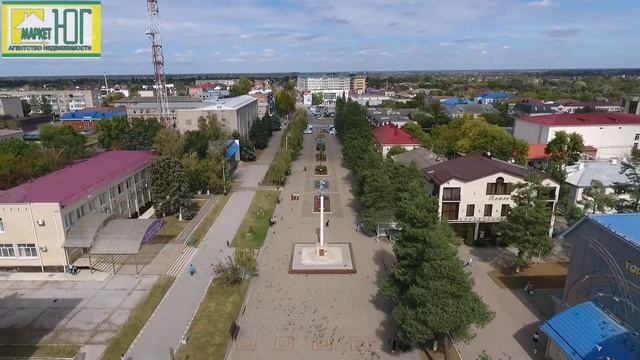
x: 588, y: 119
x: 536, y: 151
x: 77, y: 181
x: 390, y: 134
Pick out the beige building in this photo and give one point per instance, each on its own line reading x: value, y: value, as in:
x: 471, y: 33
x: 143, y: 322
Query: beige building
x: 475, y: 193
x: 237, y: 113
x: 6, y: 134
x: 359, y: 84
x: 52, y: 221
x: 11, y: 106
x: 61, y: 101
x: 147, y: 107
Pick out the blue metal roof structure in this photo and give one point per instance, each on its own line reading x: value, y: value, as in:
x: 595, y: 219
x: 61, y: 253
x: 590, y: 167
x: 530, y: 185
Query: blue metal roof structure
x: 626, y: 225
x: 496, y: 95
x: 93, y: 114
x: 586, y: 332
x: 456, y: 101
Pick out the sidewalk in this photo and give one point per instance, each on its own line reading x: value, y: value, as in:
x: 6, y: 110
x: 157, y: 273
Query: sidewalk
x: 171, y: 319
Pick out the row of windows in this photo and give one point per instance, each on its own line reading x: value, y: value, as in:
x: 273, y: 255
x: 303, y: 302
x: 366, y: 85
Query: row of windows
x: 451, y: 210
x: 24, y: 250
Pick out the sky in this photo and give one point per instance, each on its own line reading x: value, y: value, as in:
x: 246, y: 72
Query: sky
x: 207, y: 36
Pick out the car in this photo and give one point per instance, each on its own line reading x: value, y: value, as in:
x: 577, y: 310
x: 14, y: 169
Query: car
x: 333, y: 132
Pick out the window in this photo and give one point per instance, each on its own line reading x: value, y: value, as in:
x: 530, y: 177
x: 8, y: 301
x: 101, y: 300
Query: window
x: 103, y: 199
x: 1, y: 225
x: 488, y: 209
x: 112, y: 192
x: 27, y: 250
x: 7, y: 251
x: 498, y: 188
x: 635, y: 146
x: 471, y: 210
x: 637, y: 137
x: 449, y: 194
x: 120, y: 188
x: 504, y: 210
x: 128, y: 183
x: 450, y: 211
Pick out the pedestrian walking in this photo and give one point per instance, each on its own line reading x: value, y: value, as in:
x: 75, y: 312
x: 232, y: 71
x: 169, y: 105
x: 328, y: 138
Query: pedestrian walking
x: 227, y: 243
x: 192, y: 269
x: 122, y: 357
x: 305, y: 168
x: 469, y: 262
x: 292, y: 195
x: 536, y: 338
x: 327, y: 223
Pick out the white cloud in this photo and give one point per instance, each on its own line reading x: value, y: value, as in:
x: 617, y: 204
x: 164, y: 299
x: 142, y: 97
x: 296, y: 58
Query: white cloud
x: 506, y: 47
x: 373, y: 52
x: 478, y: 46
x: 483, y: 52
x: 541, y: 3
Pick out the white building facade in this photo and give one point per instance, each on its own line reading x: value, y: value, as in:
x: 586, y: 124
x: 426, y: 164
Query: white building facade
x: 613, y: 134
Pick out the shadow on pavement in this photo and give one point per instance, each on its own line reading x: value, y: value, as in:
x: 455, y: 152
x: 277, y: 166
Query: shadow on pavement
x: 498, y: 257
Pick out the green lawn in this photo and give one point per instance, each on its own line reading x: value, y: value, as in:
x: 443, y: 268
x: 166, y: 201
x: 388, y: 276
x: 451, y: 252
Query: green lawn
x: 39, y: 350
x: 208, y: 336
x: 138, y: 317
x: 173, y: 227
x: 209, y: 219
x: 255, y: 225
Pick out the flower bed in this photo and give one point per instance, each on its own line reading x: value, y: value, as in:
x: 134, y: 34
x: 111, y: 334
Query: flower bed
x: 321, y: 170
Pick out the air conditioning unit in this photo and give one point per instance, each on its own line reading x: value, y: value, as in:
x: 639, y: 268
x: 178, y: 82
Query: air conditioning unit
x: 40, y: 222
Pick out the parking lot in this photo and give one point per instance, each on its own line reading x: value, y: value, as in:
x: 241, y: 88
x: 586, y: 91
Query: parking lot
x: 68, y: 312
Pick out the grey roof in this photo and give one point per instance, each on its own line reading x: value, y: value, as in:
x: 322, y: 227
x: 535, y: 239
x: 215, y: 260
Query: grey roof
x: 83, y: 233
x: 122, y: 236
x: 172, y: 105
x: 604, y: 171
x: 420, y: 157
x: 233, y: 103
x: 470, y: 109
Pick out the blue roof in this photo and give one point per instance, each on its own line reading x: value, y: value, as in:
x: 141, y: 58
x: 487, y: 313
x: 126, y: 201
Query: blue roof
x: 496, y: 95
x: 92, y: 115
x: 232, y: 149
x: 586, y: 332
x: 624, y: 225
x: 456, y: 101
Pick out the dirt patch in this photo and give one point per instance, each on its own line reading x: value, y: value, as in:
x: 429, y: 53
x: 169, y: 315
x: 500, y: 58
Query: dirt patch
x: 543, y: 276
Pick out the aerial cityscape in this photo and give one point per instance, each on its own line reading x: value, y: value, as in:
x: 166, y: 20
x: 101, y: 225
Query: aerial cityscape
x: 272, y: 180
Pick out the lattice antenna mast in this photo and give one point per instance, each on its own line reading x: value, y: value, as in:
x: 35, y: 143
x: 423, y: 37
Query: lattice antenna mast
x: 158, y: 62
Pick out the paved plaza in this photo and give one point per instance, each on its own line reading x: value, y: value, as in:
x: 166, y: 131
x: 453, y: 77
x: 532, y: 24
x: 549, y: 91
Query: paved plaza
x: 332, y: 316
x: 68, y: 312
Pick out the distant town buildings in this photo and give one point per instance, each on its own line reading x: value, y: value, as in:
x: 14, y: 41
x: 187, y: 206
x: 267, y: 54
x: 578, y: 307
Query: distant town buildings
x: 630, y: 104
x: 236, y: 113
x: 383, y: 116
x: 474, y: 193
x: 61, y: 100
x: 612, y: 134
x: 493, y: 97
x: 331, y: 87
x: 359, y: 84
x: 147, y: 107
x: 11, y: 106
x: 265, y: 103
x: 580, y: 177
x: 48, y: 223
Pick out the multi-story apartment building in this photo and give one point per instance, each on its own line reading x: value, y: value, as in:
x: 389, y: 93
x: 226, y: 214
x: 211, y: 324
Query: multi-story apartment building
x: 612, y: 134
x: 331, y: 87
x: 147, y: 107
x: 236, y: 113
x: 475, y: 193
x: 11, y: 106
x: 61, y: 101
x: 359, y: 84
x: 38, y: 219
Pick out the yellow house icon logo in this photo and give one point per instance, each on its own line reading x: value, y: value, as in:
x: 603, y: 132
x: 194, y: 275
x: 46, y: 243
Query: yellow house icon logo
x: 27, y: 25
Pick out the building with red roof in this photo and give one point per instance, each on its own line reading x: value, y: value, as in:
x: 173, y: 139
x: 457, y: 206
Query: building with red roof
x: 613, y: 134
x: 36, y: 217
x: 391, y: 135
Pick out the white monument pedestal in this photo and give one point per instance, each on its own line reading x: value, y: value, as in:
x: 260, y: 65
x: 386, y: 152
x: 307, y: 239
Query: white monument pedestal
x: 337, y: 259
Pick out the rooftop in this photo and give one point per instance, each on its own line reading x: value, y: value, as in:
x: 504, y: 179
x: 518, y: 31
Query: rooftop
x: 624, y: 225
x: 586, y: 332
x: 536, y: 151
x: 420, y: 157
x: 607, y: 172
x: 392, y: 135
x: 191, y: 104
x: 588, y: 119
x: 77, y: 181
x: 453, y: 101
x: 232, y: 103
x: 496, y: 95
x: 471, y: 167
x: 95, y: 113
x: 470, y: 109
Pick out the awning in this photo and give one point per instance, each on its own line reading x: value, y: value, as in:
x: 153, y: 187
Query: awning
x: 125, y: 236
x: 83, y: 233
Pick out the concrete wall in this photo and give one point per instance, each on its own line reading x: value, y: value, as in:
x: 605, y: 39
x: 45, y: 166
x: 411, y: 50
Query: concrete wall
x: 61, y: 100
x: 11, y: 106
x: 603, y: 268
x: 239, y: 119
x: 530, y: 132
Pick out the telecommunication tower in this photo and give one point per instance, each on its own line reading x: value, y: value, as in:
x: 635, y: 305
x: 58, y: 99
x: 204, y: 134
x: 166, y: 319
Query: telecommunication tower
x: 158, y: 63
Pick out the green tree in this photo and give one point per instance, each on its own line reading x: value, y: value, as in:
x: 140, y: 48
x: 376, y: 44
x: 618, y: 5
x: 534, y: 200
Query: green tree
x: 243, y: 87
x: 285, y: 102
x: 631, y: 189
x: 45, y: 106
x: 8, y: 122
x: 26, y: 108
x: 113, y: 97
x: 247, y: 147
x: 34, y: 104
x: 596, y: 199
x: 395, y: 150
x: 317, y: 99
x: 111, y: 133
x: 169, y: 190
x: 64, y: 138
x: 526, y: 226
x: 565, y: 149
x: 168, y: 143
x: 195, y: 171
x: 141, y: 134
x: 418, y: 133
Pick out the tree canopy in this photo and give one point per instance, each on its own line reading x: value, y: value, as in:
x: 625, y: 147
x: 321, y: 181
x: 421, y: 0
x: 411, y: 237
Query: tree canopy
x: 285, y: 102
x: 630, y: 202
x: 565, y: 149
x: 169, y: 191
x: 243, y: 87
x: 64, y: 138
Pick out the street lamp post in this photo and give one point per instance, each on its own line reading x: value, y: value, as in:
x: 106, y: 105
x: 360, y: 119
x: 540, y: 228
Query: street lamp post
x: 224, y: 179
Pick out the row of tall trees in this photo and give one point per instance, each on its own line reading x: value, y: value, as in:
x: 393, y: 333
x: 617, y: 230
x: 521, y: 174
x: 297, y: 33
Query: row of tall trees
x: 433, y: 296
x: 289, y: 150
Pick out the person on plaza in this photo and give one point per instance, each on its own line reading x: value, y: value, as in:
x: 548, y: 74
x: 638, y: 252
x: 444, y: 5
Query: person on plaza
x: 192, y: 269
x: 469, y: 262
x: 529, y: 287
x: 536, y: 338
x: 305, y: 168
x: 327, y: 223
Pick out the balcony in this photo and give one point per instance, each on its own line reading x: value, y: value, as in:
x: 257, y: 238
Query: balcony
x: 475, y: 219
